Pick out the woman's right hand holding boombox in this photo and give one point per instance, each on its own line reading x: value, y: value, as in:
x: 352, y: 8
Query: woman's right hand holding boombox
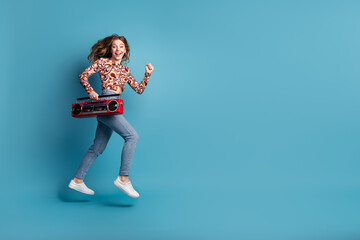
x: 93, y: 95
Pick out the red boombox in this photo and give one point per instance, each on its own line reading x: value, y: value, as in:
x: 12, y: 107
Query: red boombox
x: 98, y: 107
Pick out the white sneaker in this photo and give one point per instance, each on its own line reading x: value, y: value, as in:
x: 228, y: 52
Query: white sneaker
x: 126, y: 188
x: 81, y: 187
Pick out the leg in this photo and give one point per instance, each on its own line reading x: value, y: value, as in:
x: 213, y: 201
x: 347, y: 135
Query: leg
x: 102, y: 136
x: 119, y: 124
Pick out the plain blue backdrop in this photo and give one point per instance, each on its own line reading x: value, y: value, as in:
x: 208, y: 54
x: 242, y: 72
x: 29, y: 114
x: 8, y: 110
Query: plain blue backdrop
x: 249, y: 126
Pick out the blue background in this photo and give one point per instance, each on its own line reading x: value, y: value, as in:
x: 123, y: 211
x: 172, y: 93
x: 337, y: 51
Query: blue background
x: 249, y: 126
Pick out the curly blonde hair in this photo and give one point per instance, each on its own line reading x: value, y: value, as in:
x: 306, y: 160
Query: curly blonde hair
x: 102, y: 48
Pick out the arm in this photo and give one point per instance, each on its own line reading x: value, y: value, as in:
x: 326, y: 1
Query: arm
x: 84, y: 76
x: 138, y: 87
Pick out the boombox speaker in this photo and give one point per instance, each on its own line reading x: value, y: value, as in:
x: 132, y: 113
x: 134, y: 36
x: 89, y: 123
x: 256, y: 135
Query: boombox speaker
x: 98, y: 107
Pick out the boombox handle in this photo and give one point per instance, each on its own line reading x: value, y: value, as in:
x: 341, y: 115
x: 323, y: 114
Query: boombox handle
x: 101, y: 96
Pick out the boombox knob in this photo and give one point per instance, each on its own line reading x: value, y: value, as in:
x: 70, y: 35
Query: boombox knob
x: 113, y: 106
x: 76, y: 110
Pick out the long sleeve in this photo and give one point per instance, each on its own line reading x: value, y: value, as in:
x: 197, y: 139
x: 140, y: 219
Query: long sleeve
x: 84, y: 76
x: 138, y: 87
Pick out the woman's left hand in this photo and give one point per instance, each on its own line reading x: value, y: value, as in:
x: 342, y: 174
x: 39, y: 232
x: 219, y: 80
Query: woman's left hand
x: 149, y: 68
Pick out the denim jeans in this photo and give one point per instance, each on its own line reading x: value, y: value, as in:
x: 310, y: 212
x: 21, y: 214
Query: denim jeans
x: 106, y: 125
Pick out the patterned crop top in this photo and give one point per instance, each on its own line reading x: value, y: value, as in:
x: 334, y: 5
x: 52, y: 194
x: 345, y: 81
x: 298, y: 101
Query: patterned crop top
x: 112, y: 75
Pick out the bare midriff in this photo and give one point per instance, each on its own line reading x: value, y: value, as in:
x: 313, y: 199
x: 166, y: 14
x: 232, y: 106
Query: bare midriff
x: 117, y: 91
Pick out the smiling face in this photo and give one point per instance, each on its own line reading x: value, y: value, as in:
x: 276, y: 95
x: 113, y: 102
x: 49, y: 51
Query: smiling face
x: 117, y: 50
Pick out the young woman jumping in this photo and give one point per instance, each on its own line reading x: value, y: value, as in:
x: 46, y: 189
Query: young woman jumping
x: 109, y: 55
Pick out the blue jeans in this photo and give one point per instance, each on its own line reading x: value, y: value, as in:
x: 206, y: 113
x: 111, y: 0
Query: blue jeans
x: 105, y: 127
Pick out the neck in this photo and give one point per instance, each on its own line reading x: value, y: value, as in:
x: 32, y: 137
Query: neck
x: 115, y: 61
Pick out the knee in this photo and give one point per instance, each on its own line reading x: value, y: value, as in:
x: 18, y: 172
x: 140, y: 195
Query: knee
x: 97, y: 150
x: 100, y: 151
x: 134, y: 137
